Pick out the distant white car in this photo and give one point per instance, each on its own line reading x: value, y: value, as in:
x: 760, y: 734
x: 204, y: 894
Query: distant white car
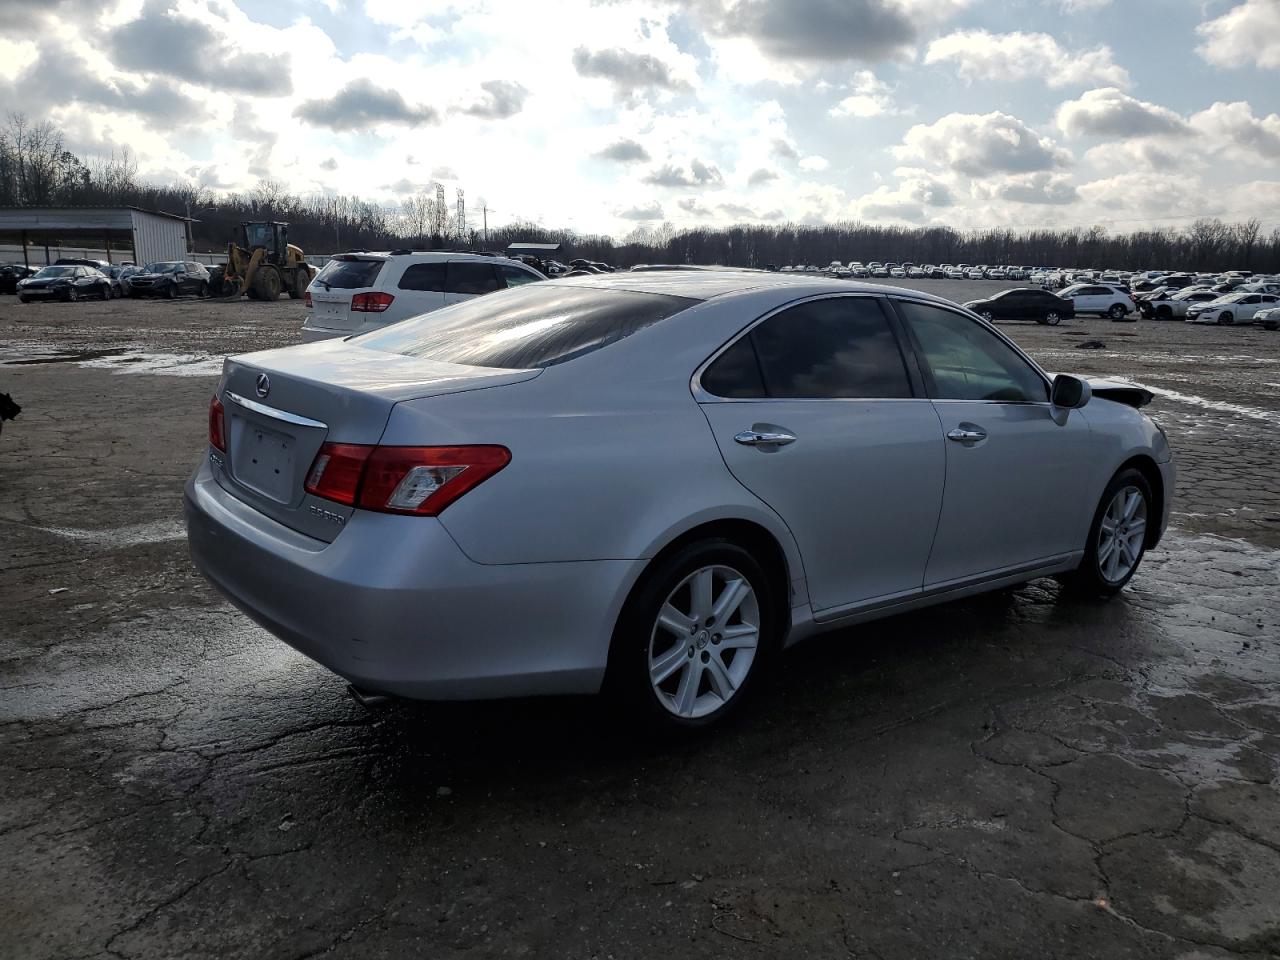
x: 359, y: 292
x: 898, y: 272
x: 1174, y: 305
x: 1100, y: 299
x: 1231, y: 309
x: 1268, y: 318
x: 975, y: 273
x: 997, y: 273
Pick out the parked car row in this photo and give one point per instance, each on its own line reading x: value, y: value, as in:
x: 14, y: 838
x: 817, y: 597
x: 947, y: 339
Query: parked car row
x: 72, y: 280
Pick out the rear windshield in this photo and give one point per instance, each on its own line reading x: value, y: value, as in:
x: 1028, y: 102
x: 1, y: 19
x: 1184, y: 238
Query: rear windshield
x: 349, y: 274
x: 536, y: 325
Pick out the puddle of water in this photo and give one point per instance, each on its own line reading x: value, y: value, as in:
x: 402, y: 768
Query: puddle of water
x: 157, y: 531
x: 1239, y: 410
x: 114, y: 359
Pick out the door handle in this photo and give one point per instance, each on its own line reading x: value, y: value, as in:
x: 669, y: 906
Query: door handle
x: 967, y: 433
x: 764, y: 438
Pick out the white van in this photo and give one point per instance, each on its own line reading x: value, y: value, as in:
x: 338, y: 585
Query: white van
x: 359, y: 292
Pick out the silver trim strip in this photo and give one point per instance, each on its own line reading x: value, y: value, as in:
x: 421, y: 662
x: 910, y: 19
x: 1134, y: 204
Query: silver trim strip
x: 273, y: 413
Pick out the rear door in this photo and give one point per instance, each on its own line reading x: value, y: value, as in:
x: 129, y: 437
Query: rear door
x: 420, y: 289
x: 341, y: 279
x: 815, y: 412
x: 1017, y: 477
x: 470, y: 278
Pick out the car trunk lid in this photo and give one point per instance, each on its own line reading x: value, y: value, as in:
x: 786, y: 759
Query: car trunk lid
x: 280, y: 406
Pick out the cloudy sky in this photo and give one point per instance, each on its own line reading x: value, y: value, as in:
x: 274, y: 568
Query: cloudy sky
x: 605, y: 115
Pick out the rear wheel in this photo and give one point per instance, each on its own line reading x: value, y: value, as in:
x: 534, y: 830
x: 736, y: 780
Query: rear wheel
x: 104, y: 291
x: 1117, y: 311
x: 1118, y: 536
x: 693, y: 636
x: 988, y: 316
x: 1053, y: 318
x: 203, y: 292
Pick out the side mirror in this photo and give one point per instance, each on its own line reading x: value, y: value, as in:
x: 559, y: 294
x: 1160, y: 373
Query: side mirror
x: 1069, y: 393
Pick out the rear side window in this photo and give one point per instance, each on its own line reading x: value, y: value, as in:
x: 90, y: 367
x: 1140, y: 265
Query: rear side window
x: 537, y: 325
x: 838, y: 348
x: 349, y: 274
x: 424, y: 276
x: 471, y: 278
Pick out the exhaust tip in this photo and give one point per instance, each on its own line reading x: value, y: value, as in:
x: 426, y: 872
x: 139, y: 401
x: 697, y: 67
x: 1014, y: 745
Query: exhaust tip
x: 367, y: 698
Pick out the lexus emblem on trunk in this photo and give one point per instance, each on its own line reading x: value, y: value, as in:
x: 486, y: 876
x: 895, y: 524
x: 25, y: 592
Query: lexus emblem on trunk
x: 262, y: 386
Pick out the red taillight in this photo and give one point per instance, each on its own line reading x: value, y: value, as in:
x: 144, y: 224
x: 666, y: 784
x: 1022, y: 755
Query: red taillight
x: 420, y: 481
x: 336, y: 473
x: 217, y: 424
x: 371, y: 302
x: 307, y: 300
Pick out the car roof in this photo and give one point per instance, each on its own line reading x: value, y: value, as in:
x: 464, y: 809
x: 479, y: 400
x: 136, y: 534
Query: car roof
x: 706, y: 284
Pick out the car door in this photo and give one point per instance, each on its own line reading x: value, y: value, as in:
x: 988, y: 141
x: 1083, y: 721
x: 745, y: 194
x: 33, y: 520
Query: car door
x: 815, y: 412
x: 1017, y: 470
x: 470, y: 278
x: 1011, y: 305
x: 514, y: 276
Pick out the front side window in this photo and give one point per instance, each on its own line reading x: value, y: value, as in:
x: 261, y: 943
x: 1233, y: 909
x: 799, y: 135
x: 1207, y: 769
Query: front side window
x: 515, y: 277
x: 471, y: 278
x: 837, y: 348
x: 969, y: 362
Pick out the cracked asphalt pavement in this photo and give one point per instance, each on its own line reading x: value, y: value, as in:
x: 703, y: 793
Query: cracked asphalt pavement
x: 1022, y: 774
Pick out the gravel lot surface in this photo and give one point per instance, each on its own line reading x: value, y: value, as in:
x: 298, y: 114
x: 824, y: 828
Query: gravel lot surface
x: 1020, y: 775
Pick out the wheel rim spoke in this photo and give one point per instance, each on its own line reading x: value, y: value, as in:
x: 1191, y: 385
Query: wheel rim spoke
x: 702, y: 589
x: 1122, y: 534
x: 721, y: 682
x: 730, y: 599
x: 680, y: 624
x: 669, y: 662
x: 742, y: 636
x: 687, y: 693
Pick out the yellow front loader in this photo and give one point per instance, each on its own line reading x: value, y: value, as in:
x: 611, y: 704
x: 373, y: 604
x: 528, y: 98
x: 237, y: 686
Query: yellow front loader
x: 264, y: 264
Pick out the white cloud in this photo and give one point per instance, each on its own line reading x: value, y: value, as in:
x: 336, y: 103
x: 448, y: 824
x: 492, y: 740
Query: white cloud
x: 1109, y: 112
x: 1014, y: 57
x: 1247, y: 33
x: 870, y: 98
x: 981, y: 145
x: 814, y: 162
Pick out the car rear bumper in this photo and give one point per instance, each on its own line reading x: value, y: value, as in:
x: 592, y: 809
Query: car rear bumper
x: 394, y: 605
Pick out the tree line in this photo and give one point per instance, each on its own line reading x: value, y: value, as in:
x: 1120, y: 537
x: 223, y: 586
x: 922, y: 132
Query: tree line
x: 37, y: 169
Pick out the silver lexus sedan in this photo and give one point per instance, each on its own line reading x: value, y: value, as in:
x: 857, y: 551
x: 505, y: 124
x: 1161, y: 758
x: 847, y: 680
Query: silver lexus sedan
x: 651, y: 483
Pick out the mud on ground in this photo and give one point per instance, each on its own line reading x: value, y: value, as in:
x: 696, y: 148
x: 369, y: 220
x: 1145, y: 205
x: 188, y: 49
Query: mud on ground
x: 1024, y: 774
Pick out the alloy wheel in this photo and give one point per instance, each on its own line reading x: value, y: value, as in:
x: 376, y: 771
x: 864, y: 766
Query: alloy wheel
x: 1122, y: 534
x: 1053, y: 318
x: 704, y: 641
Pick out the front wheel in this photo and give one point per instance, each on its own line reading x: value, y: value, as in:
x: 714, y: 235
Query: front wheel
x: 693, y: 636
x: 203, y: 292
x: 1053, y: 318
x: 988, y: 316
x: 1117, y: 311
x: 1118, y: 536
x: 170, y: 292
x: 73, y: 295
x: 1225, y: 319
x: 104, y: 292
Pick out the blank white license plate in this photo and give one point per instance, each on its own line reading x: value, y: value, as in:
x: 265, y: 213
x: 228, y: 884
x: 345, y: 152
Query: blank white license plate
x: 264, y: 461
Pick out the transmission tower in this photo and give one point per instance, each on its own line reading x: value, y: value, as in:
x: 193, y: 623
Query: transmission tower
x: 440, y: 214
x: 462, y: 216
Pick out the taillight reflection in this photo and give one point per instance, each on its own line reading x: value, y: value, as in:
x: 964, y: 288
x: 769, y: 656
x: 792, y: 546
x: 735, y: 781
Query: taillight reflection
x: 217, y: 424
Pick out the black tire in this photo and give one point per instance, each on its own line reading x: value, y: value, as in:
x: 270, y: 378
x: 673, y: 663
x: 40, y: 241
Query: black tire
x: 24, y: 299
x: 301, y: 279
x: 627, y: 682
x: 1053, y: 318
x: 266, y: 283
x: 72, y: 295
x: 1089, y: 576
x: 203, y: 292
x: 1117, y: 311
x: 104, y: 291
x: 1164, y: 313
x: 988, y: 316
x: 1225, y: 319
x: 170, y: 291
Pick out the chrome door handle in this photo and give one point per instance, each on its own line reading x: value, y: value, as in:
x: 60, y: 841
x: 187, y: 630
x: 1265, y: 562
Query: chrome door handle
x: 758, y: 438
x: 967, y: 434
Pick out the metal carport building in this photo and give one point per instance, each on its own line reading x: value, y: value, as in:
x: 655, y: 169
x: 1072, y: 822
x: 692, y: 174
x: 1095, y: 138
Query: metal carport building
x: 146, y: 235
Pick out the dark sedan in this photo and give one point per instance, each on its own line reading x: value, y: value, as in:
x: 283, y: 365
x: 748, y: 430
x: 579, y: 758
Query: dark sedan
x: 1024, y: 303
x: 62, y: 282
x: 170, y: 279
x: 11, y: 273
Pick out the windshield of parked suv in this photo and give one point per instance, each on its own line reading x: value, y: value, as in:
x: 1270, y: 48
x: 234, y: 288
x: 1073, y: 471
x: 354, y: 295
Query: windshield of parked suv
x: 162, y: 267
x: 46, y: 272
x: 536, y: 325
x: 349, y: 274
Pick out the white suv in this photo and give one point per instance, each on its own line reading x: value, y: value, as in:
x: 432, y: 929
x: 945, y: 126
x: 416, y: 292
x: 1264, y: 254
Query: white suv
x: 1100, y: 299
x: 359, y: 292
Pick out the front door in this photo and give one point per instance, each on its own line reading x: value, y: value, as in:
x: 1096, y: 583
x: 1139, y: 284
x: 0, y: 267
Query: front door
x: 814, y: 412
x: 1017, y: 489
